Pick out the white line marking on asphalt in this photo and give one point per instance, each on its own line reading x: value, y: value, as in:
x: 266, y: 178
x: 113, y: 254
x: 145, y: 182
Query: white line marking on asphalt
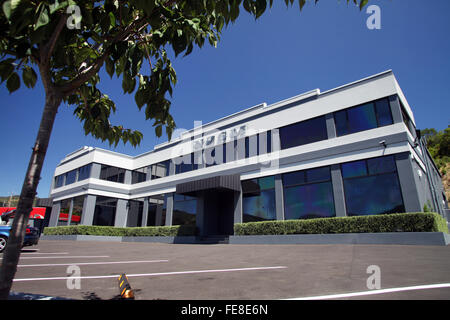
x: 373, y: 292
x: 87, y: 263
x: 65, y: 257
x: 33, y: 253
x: 153, y: 274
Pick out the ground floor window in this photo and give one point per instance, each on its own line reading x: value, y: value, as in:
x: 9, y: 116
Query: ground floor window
x: 258, y: 199
x: 135, y: 211
x: 156, y: 211
x: 105, y: 211
x: 184, y: 210
x: 308, y: 194
x: 64, y: 212
x: 77, y: 210
x: 372, y: 187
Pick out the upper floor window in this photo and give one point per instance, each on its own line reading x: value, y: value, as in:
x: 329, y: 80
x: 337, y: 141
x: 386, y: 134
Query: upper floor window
x: 139, y: 175
x: 84, y: 172
x: 160, y: 170
x: 304, y: 132
x: 364, y: 117
x: 113, y: 174
x: 71, y: 177
x: 59, y: 181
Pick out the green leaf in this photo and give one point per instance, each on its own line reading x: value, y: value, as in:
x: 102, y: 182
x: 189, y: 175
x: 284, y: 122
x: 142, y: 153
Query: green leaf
x: 9, y: 6
x: 109, y: 64
x: 158, y: 130
x: 362, y: 4
x: 43, y: 19
x: 5, y: 70
x: 29, y: 77
x: 13, y: 82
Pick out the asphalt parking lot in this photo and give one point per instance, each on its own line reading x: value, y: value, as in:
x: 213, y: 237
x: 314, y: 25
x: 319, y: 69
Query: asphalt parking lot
x: 90, y: 270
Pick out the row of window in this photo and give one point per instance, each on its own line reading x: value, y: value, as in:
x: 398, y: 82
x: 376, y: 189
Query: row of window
x: 351, y: 120
x: 75, y: 175
x: 370, y: 187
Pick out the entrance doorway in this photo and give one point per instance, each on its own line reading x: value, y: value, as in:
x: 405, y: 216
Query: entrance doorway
x: 218, y: 212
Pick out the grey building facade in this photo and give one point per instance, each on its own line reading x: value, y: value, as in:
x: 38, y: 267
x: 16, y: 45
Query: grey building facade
x: 352, y: 150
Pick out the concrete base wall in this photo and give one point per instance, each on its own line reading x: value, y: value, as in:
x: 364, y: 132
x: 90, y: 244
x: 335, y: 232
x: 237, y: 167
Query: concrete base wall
x: 397, y: 238
x: 400, y: 238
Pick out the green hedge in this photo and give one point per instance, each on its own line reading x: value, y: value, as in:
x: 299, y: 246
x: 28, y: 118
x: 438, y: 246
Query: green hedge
x: 167, y: 231
x: 399, y: 222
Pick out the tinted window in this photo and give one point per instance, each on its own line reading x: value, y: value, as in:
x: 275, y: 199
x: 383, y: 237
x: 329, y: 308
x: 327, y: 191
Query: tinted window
x: 368, y: 116
x: 381, y: 165
x: 373, y: 195
x: 105, y: 211
x: 84, y: 172
x: 308, y: 194
x: 317, y: 175
x: 309, y: 201
x: 354, y: 169
x: 71, y: 177
x: 113, y: 174
x: 59, y: 181
x: 383, y: 110
x: 361, y: 118
x: 160, y: 170
x: 139, y: 175
x: 303, y: 132
x: 184, y: 210
x: 258, y: 199
x: 375, y: 190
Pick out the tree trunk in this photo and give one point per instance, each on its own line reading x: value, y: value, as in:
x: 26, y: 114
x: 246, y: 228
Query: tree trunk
x: 12, y: 252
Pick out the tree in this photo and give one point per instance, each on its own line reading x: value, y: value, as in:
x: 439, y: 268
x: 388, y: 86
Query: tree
x: 67, y: 42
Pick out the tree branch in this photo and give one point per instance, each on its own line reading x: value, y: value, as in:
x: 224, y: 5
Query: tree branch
x: 47, y: 50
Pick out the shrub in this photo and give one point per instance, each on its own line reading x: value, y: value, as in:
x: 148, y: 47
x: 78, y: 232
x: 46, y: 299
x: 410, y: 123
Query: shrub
x: 167, y: 231
x: 398, y: 222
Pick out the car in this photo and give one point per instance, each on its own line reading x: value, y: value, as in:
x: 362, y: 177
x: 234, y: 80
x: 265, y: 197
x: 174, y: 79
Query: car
x: 31, y: 234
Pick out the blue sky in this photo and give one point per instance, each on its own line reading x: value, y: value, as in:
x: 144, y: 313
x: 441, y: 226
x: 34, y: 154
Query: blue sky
x: 282, y: 54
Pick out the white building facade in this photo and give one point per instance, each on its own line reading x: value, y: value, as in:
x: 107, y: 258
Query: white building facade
x: 352, y: 150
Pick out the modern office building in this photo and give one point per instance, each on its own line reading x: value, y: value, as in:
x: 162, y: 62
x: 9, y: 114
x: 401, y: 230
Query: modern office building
x: 352, y: 150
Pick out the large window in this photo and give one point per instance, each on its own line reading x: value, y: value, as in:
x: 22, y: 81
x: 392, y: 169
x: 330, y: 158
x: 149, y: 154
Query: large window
x: 84, y: 172
x: 71, y: 177
x: 184, y: 210
x: 77, y: 210
x: 185, y: 163
x: 308, y: 194
x: 372, y: 187
x: 258, y: 199
x: 364, y: 117
x: 156, y: 211
x: 139, y: 175
x: 59, y: 181
x: 113, y: 174
x: 160, y: 170
x: 64, y: 212
x: 304, y: 132
x: 105, y: 211
x: 135, y: 211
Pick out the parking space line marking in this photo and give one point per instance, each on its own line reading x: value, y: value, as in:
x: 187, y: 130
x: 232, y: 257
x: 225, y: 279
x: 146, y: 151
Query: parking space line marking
x: 153, y: 274
x: 64, y: 257
x: 33, y: 253
x: 87, y: 263
x: 373, y: 292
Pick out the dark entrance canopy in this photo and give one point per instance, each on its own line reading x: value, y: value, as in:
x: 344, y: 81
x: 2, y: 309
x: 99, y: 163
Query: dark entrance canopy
x: 225, y: 183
